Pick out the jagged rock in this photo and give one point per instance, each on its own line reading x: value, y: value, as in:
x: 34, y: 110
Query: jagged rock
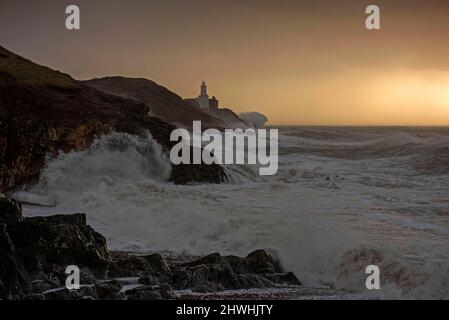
x: 47, y: 279
x: 86, y: 276
x: 34, y: 297
x: 45, y: 283
x: 61, y: 294
x: 218, y: 277
x: 59, y: 219
x: 258, y: 262
x: 149, y: 280
x: 44, y: 243
x: 109, y: 290
x: 207, y: 288
x: 163, y: 292
x: 187, y: 173
x: 13, y: 277
x: 284, y: 278
x: 208, y: 259
x: 262, y: 262
x: 157, y: 263
x: 258, y: 270
x: 214, y: 272
x: 128, y: 265
x: 10, y: 211
x: 84, y: 293
x: 250, y: 280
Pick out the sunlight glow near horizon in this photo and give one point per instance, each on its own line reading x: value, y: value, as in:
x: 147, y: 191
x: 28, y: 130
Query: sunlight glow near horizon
x: 356, y: 97
x: 297, y: 62
x: 422, y: 90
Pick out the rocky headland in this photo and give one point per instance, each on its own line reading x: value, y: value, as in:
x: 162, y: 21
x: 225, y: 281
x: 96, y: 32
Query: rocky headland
x: 44, y: 112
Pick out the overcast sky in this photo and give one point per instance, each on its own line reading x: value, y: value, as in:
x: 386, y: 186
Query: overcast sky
x: 299, y: 62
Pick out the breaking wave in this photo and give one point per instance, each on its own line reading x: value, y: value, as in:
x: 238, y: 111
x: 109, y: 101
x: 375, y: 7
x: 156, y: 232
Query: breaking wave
x: 342, y: 198
x: 117, y: 158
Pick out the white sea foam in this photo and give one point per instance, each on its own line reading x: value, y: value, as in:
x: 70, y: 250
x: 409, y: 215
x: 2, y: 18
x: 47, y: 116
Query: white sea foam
x: 324, y: 213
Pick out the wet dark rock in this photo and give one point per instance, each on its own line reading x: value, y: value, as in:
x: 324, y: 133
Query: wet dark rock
x: 211, y: 273
x: 10, y: 211
x: 284, y: 278
x: 220, y: 274
x: 109, y: 290
x: 188, y: 173
x: 256, y: 262
x: 13, y: 277
x: 258, y: 270
x: 85, y: 292
x: 41, y: 285
x: 34, y: 297
x: 86, y: 276
x: 262, y: 262
x: 61, y: 294
x: 163, y: 292
x: 208, y: 259
x: 249, y: 280
x: 76, y: 218
x: 149, y: 280
x: 128, y: 265
x: 157, y: 263
x: 207, y: 288
x: 202, y: 173
x: 60, y: 240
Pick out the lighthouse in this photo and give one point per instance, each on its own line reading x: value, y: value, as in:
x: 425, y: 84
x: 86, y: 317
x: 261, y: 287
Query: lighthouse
x: 203, y: 89
x: 203, y: 99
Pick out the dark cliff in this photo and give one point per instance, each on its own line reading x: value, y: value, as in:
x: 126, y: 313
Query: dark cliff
x: 43, y: 112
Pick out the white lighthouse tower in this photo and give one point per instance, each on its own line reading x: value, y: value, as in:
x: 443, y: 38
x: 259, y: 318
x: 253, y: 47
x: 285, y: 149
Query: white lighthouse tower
x: 203, y: 99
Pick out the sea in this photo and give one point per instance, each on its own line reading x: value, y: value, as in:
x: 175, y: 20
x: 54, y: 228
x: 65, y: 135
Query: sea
x: 342, y: 199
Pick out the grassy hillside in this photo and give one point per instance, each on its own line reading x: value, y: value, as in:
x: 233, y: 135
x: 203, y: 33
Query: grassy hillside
x: 163, y: 103
x: 26, y: 71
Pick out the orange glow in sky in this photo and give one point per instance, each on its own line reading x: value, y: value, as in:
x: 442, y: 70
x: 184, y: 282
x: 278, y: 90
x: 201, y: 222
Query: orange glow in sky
x: 298, y: 62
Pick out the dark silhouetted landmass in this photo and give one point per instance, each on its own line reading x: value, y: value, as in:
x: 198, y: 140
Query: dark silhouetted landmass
x: 43, y: 112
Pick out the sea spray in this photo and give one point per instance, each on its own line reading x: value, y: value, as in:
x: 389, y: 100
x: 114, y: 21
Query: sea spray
x: 112, y: 159
x: 336, y: 191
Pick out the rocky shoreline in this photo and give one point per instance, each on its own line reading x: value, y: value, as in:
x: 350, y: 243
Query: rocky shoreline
x: 45, y: 112
x: 36, y: 251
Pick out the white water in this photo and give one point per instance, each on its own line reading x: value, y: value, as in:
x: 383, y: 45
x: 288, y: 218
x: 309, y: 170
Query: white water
x: 312, y: 213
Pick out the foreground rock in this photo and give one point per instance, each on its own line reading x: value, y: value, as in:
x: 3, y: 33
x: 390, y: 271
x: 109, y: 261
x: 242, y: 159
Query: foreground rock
x: 13, y: 278
x: 211, y: 273
x: 34, y: 254
x: 11, y: 211
x: 47, y: 243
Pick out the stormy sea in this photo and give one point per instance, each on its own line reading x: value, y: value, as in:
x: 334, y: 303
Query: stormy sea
x: 343, y: 198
